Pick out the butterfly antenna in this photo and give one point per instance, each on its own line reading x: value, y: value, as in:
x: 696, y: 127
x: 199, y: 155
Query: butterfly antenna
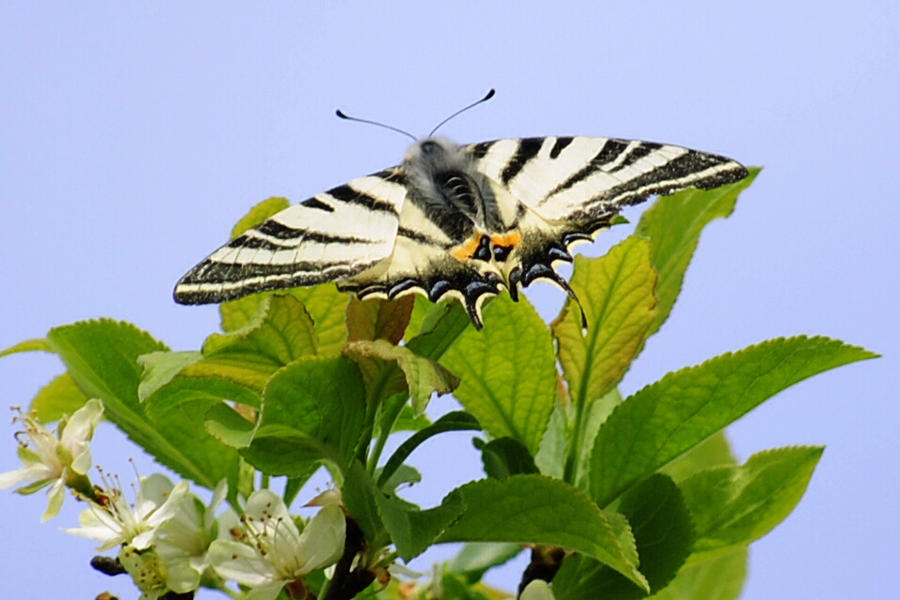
x: 487, y: 97
x: 341, y: 114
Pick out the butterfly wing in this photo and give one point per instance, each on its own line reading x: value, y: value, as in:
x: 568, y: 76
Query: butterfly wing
x: 332, y: 235
x: 570, y: 188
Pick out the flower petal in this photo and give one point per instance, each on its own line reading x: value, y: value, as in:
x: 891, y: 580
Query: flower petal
x: 266, y: 591
x: 240, y: 562
x: 56, y: 495
x: 322, y: 541
x: 537, y: 590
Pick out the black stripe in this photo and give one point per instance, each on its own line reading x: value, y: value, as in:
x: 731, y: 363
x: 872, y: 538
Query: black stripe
x: 345, y: 193
x: 559, y: 146
x: 393, y: 175
x: 637, y: 153
x: 608, y: 153
x: 210, y: 271
x: 528, y: 148
x: 661, y: 179
x: 480, y: 149
x: 420, y: 237
x: 316, y: 203
x: 278, y: 230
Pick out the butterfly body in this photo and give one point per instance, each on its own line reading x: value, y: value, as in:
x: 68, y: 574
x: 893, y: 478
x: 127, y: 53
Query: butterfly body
x: 465, y: 221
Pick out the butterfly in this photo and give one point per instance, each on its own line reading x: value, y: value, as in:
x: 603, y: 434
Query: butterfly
x: 459, y: 221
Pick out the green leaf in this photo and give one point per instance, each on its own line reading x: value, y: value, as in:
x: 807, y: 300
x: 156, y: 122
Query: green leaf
x: 733, y: 506
x: 423, y: 376
x: 259, y: 213
x: 228, y: 426
x: 404, y: 474
x: 674, y: 224
x: 665, y: 419
x: 161, y: 367
x: 507, y: 371
x: 322, y: 398
x: 61, y: 396
x: 378, y: 319
x: 410, y: 421
x: 324, y: 303
x: 662, y: 530
x: 413, y: 530
x: 721, y: 578
x: 474, y: 559
x: 526, y: 509
x: 714, y: 451
x: 179, y: 408
x: 281, y: 332
x: 33, y: 345
x: 358, y: 494
x: 550, y: 458
x: 439, y: 329
x: 616, y: 292
x: 504, y: 457
x: 278, y: 449
x: 452, y: 421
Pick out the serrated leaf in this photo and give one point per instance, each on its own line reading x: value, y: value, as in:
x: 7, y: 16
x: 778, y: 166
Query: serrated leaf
x: 662, y: 530
x: 413, y: 530
x: 669, y: 417
x: 733, y: 506
x: 423, y: 376
x: 101, y: 357
x: 504, y: 457
x: 61, y: 396
x: 616, y: 292
x: 322, y: 398
x: 161, y: 367
x: 378, y: 319
x: 721, y: 579
x: 474, y: 559
x: 281, y: 332
x: 526, y: 509
x: 452, y: 421
x: 32, y: 345
x: 507, y: 371
x: 673, y: 225
x: 325, y: 304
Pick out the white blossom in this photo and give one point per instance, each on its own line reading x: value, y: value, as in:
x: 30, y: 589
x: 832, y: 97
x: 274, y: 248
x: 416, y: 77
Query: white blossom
x: 55, y: 459
x: 272, y: 552
x: 182, y: 541
x: 114, y: 521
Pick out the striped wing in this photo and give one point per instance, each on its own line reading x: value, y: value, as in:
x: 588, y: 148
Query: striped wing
x: 568, y: 189
x: 579, y: 179
x: 332, y: 235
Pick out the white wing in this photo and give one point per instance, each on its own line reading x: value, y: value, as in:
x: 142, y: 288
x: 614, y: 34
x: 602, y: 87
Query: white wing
x: 332, y: 235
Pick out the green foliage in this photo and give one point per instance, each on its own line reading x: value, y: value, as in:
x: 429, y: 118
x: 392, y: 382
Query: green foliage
x: 641, y: 495
x: 507, y: 371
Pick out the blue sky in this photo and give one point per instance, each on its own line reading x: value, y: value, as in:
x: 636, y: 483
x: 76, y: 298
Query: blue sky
x: 135, y: 134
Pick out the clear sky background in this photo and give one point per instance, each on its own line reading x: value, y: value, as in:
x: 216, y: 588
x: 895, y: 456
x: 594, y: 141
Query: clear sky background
x: 133, y: 135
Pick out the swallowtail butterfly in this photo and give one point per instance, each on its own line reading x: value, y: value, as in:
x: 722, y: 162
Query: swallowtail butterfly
x: 463, y: 221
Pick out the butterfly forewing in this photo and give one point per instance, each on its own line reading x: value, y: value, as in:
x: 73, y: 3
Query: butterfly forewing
x: 330, y: 236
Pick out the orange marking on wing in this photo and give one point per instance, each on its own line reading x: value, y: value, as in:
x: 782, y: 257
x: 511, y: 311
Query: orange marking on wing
x: 513, y: 238
x: 465, y: 251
